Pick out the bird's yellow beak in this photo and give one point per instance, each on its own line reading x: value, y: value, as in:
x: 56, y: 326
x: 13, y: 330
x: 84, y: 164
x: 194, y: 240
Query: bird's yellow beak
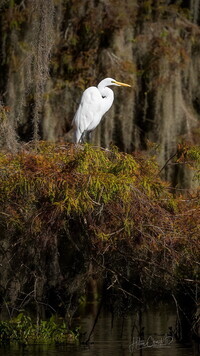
x: 122, y: 84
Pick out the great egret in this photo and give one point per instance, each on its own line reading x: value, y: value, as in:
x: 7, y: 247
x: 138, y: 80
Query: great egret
x: 95, y: 102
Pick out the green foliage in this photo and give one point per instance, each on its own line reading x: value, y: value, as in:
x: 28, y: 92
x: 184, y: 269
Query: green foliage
x: 68, y: 180
x: 72, y: 181
x: 22, y: 329
x: 194, y: 156
x: 190, y: 155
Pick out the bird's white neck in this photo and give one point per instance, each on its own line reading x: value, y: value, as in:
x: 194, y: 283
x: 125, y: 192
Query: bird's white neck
x: 107, y: 95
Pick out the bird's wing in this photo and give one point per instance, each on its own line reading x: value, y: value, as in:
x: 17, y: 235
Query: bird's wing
x: 87, y: 116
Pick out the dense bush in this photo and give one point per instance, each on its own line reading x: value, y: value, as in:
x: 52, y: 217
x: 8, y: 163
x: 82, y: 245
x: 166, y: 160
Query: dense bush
x: 65, y: 208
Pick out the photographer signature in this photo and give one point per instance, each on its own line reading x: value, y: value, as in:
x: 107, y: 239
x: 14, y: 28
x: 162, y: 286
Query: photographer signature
x: 150, y: 342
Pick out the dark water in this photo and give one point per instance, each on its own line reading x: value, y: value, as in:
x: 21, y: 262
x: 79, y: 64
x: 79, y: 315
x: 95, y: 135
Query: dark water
x: 119, y: 337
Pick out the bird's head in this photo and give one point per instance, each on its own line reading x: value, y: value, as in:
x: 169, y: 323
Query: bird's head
x: 110, y: 81
x: 119, y: 84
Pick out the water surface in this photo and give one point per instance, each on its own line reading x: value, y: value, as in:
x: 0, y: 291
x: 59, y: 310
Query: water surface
x: 139, y: 334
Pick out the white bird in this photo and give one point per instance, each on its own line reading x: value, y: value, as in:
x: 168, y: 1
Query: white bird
x: 95, y: 102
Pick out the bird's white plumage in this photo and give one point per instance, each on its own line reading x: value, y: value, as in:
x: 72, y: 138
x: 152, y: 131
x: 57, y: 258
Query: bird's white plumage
x: 95, y: 102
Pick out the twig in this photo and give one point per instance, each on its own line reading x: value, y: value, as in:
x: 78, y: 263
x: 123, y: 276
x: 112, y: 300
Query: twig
x: 166, y: 163
x: 95, y: 322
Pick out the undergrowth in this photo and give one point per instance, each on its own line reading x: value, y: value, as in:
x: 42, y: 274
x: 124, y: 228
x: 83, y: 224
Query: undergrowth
x: 69, y: 214
x: 24, y: 330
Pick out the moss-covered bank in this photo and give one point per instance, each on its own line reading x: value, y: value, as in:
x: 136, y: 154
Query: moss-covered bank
x: 70, y: 215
